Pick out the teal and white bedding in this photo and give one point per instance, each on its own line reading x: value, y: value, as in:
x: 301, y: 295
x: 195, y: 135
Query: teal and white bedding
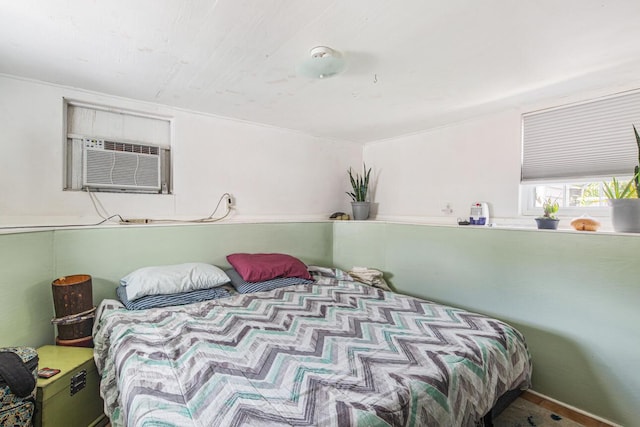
x: 339, y: 354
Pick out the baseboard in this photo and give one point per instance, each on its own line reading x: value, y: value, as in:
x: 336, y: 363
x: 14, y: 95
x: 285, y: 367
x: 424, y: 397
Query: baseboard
x: 597, y: 421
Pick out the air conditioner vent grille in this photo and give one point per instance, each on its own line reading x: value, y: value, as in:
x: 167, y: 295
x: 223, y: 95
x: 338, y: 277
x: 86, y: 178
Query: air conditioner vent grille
x: 131, y: 148
x: 121, y: 166
x: 148, y: 174
x: 99, y: 165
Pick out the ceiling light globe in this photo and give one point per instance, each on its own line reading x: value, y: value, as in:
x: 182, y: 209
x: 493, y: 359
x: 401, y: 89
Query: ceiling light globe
x: 322, y: 63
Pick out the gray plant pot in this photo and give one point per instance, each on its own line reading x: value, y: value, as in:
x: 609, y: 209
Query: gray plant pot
x: 625, y: 215
x: 360, y: 210
x: 547, y: 223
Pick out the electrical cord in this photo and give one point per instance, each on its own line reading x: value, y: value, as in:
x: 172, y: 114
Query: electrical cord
x: 96, y: 202
x: 94, y: 198
x: 205, y: 220
x: 97, y: 205
x: 61, y: 226
x: 228, y: 196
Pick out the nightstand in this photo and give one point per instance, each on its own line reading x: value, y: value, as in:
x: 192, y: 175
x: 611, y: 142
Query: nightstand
x: 70, y: 398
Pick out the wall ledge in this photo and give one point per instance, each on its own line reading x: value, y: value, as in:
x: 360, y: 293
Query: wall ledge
x: 513, y: 224
x: 73, y: 224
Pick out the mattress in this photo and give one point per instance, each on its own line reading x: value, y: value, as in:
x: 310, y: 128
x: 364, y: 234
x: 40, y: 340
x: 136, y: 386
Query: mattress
x: 341, y: 354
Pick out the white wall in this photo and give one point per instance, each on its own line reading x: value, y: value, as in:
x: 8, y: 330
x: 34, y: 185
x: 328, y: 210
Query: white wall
x: 478, y: 160
x: 461, y: 163
x: 272, y: 173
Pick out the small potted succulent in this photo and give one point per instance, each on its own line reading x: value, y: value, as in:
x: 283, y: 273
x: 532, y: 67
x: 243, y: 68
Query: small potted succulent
x: 548, y: 221
x: 360, y: 186
x: 625, y: 199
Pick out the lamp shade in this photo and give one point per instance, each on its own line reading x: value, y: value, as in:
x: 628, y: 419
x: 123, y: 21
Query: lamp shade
x: 323, y: 62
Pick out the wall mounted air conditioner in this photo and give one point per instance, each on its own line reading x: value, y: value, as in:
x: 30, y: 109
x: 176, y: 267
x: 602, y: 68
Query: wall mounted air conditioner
x: 120, y: 166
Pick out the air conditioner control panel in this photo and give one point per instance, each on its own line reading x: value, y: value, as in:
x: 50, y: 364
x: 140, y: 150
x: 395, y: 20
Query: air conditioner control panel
x: 93, y: 143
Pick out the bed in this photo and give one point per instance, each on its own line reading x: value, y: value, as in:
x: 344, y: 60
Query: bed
x: 326, y: 353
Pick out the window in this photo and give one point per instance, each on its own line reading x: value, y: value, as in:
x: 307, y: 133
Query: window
x: 116, y: 151
x: 569, y: 153
x: 574, y: 198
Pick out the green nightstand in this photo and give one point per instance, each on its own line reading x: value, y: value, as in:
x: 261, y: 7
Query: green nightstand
x: 70, y: 398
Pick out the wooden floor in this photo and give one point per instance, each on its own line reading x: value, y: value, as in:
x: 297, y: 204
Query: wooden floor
x: 563, y: 411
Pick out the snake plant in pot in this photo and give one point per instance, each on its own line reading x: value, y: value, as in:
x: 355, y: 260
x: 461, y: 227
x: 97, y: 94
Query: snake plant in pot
x: 625, y: 199
x: 360, y: 186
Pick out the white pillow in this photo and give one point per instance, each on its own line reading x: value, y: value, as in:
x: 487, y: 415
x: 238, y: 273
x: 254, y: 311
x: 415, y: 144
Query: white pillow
x: 172, y: 279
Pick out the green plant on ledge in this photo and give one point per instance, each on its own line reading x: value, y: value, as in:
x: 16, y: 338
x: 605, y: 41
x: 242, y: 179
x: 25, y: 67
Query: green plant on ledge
x: 617, y: 189
x: 548, y: 221
x: 360, y: 184
x: 550, y: 209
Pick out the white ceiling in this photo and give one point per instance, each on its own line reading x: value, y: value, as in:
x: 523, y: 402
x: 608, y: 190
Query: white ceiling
x: 412, y: 64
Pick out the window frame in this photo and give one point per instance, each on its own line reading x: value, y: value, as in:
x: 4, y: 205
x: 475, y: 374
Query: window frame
x: 529, y: 207
x: 72, y: 163
x: 528, y: 198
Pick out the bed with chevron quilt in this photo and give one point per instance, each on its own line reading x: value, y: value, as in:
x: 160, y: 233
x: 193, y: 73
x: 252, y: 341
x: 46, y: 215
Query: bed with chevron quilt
x: 341, y: 354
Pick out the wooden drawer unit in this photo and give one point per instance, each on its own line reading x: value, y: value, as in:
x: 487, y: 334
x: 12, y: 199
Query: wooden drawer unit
x: 70, y: 398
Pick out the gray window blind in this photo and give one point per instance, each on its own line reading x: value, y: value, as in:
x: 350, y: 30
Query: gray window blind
x: 591, y: 139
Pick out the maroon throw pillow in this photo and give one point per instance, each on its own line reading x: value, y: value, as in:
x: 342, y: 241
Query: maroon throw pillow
x: 260, y: 267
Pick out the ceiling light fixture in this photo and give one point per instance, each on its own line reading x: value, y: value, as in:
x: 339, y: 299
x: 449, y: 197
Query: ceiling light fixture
x: 323, y: 62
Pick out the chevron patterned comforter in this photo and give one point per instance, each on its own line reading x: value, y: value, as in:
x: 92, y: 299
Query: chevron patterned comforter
x: 329, y: 355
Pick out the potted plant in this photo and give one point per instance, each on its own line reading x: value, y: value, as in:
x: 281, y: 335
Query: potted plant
x: 548, y: 221
x: 625, y: 199
x: 360, y: 186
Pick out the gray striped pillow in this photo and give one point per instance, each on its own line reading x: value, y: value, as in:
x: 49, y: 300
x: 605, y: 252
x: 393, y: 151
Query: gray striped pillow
x: 245, y: 287
x: 167, y: 300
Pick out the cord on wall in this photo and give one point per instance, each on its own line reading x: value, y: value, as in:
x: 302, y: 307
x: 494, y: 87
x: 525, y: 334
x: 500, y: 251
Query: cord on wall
x: 226, y: 197
x: 104, y: 214
x: 96, y: 202
x: 17, y: 227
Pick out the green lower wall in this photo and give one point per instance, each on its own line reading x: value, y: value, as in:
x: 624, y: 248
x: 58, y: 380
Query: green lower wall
x: 26, y: 271
x: 109, y: 254
x: 31, y: 261
x: 574, y: 296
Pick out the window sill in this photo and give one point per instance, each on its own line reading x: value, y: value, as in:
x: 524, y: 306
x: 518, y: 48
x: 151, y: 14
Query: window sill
x: 514, y: 223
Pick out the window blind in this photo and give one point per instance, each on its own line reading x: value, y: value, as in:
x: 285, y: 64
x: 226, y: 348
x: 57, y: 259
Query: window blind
x: 591, y: 139
x: 121, y: 126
